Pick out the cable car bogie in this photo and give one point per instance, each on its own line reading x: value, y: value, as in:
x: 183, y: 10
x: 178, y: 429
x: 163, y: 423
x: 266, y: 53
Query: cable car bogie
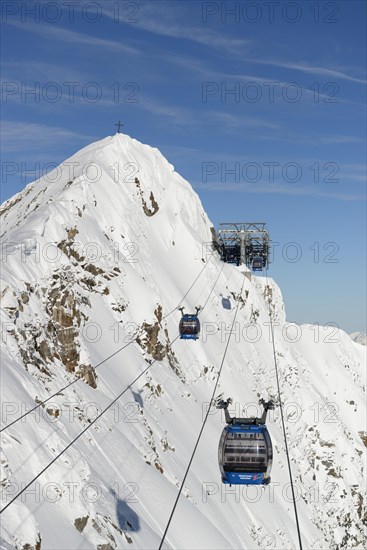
x: 244, y: 243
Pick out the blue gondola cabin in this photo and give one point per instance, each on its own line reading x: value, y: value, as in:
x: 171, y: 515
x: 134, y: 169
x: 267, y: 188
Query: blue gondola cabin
x: 245, y: 455
x: 258, y: 263
x: 189, y: 327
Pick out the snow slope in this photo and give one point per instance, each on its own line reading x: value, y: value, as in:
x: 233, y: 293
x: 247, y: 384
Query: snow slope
x: 107, y: 246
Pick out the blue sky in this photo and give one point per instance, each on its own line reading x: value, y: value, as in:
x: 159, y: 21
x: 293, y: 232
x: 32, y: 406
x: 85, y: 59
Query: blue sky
x: 260, y: 105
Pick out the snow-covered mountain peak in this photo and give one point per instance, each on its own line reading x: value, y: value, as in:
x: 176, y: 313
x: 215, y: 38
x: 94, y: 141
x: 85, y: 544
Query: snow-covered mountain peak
x: 106, y: 246
x: 112, y: 201
x: 109, y: 175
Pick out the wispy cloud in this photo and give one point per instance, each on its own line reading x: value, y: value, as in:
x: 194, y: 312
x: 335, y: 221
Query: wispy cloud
x: 165, y: 20
x: 72, y: 37
x: 238, y: 121
x: 311, y: 138
x: 27, y: 136
x: 196, y: 34
x: 213, y: 75
x: 303, y: 67
x: 46, y: 72
x: 341, y: 139
x: 191, y: 117
x: 179, y: 115
x: 266, y: 188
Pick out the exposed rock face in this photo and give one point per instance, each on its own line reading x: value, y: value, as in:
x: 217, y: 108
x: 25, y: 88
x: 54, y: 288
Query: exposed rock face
x: 36, y: 546
x: 147, y: 211
x: 80, y: 523
x: 57, y: 337
x: 150, y: 342
x: 64, y: 324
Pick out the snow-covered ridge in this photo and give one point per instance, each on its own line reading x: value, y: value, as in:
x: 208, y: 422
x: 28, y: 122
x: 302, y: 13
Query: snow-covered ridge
x: 359, y: 337
x: 106, y: 245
